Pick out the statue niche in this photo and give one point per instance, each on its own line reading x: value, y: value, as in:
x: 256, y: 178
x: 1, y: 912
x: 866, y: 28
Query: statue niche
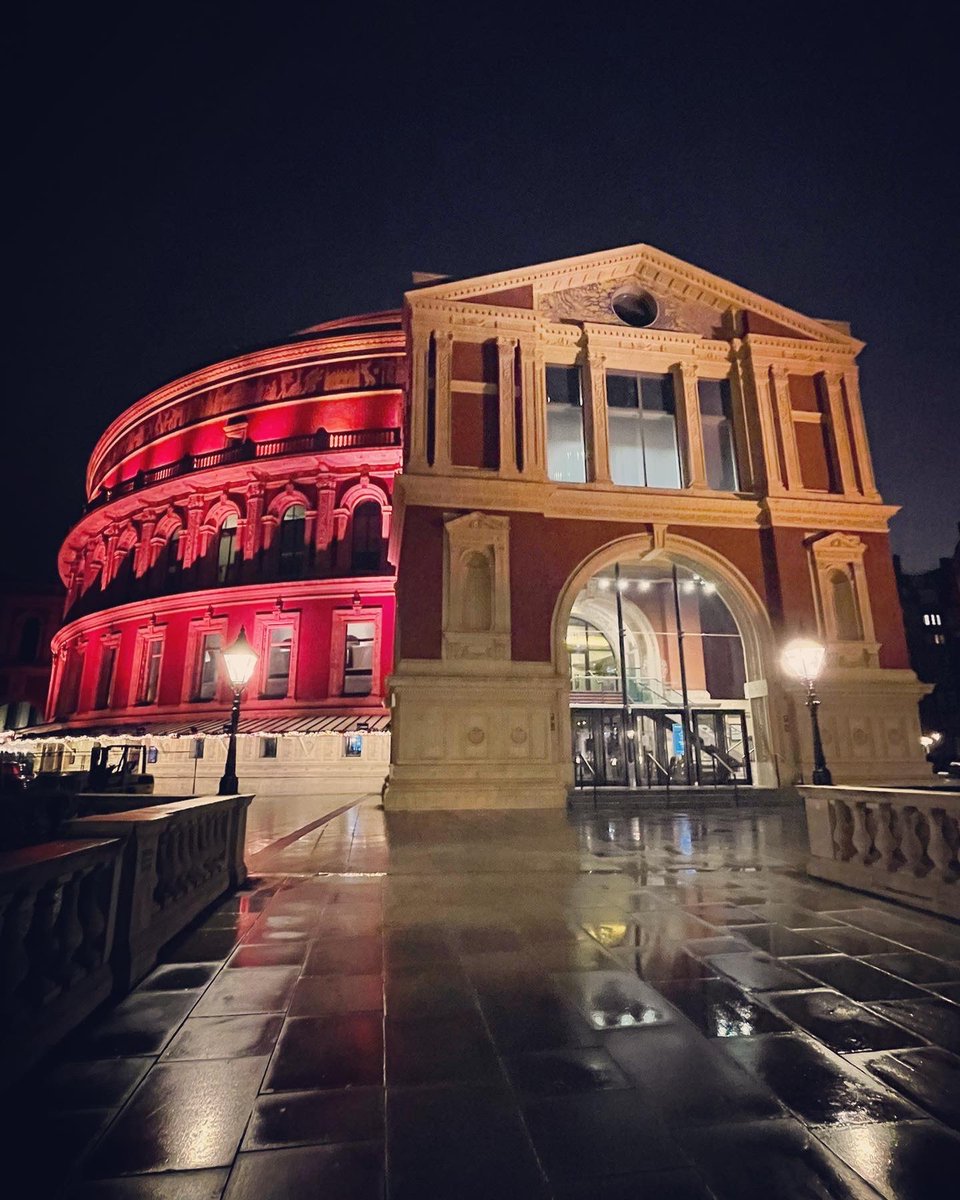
x: 476, y: 591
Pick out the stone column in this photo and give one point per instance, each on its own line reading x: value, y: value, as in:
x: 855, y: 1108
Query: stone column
x: 862, y: 446
x: 841, y: 438
x: 442, y: 399
x: 506, y: 355
x: 685, y: 380
x: 788, y: 437
x: 254, y: 518
x: 595, y: 417
x: 143, y: 555
x: 533, y: 395
x: 419, y: 385
x: 326, y: 496
x: 192, y: 548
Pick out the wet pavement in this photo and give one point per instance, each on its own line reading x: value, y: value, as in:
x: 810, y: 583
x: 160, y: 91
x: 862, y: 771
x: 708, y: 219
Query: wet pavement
x: 518, y: 1005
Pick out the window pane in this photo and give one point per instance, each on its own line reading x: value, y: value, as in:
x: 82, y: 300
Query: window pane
x: 105, y: 678
x: 150, y: 674
x: 358, y: 658
x: 292, y: 528
x: 717, y: 424
x: 206, y: 687
x: 279, y: 648
x: 624, y: 431
x: 660, y: 449
x: 228, y: 549
x: 566, y: 461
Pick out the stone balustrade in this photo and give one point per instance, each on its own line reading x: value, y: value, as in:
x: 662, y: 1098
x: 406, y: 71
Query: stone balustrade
x: 58, y: 915
x: 178, y: 858
x: 896, y: 842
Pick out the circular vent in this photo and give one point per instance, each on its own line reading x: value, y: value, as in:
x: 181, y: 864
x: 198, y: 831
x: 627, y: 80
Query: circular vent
x: 635, y: 308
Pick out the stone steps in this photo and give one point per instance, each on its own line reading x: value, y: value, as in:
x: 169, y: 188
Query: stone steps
x: 679, y: 797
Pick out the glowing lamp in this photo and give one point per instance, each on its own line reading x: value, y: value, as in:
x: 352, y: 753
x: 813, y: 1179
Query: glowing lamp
x: 803, y: 659
x: 240, y: 660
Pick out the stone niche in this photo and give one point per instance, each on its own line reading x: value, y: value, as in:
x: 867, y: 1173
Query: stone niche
x: 476, y: 587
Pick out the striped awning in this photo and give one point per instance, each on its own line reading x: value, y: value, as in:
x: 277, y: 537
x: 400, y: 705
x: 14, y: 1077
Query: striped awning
x: 301, y: 723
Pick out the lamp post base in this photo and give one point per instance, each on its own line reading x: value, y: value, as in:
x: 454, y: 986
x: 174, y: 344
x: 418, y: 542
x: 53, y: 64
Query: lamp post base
x: 822, y: 777
x: 230, y: 786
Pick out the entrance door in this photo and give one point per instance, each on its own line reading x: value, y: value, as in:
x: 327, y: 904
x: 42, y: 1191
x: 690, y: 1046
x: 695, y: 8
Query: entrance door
x: 662, y: 747
x: 720, y: 746
x: 598, y: 747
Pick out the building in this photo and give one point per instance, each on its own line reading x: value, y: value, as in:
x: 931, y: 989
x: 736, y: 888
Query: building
x: 256, y: 493
x: 627, y: 484
x: 29, y: 617
x: 931, y: 617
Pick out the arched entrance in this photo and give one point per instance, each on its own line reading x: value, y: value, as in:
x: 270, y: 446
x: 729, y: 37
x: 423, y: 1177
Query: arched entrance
x: 664, y: 652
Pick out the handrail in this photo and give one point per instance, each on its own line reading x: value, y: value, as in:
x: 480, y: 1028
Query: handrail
x: 322, y: 441
x: 714, y: 754
x: 649, y: 757
x: 581, y: 761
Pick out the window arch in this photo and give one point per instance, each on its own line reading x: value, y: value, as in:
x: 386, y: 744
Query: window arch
x: 846, y: 614
x: 367, y: 537
x: 228, y: 549
x: 292, y: 539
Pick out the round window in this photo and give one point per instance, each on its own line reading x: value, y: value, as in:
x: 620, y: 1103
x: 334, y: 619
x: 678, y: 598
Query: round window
x: 635, y: 308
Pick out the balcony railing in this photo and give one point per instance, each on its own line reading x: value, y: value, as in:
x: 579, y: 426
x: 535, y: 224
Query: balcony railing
x: 322, y: 442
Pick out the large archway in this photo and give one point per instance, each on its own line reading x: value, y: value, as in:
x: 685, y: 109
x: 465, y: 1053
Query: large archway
x: 665, y: 648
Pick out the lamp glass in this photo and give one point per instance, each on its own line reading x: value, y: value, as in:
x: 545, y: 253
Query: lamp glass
x: 803, y: 658
x: 240, y: 660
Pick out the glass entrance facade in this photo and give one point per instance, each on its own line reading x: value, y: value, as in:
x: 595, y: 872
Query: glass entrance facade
x: 656, y: 681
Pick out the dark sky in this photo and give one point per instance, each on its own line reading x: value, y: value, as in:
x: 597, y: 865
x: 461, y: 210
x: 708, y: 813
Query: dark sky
x: 186, y: 186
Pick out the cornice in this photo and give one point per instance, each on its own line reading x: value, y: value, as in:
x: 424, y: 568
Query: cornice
x: 346, y: 348
x: 828, y: 513
x: 290, y: 591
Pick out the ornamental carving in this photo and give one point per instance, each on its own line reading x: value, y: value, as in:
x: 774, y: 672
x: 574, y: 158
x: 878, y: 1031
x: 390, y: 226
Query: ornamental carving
x: 594, y: 302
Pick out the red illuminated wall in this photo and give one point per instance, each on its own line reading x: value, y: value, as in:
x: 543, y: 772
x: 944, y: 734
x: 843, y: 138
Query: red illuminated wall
x: 257, y: 492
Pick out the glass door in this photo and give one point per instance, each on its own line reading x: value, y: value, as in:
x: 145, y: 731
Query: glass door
x: 720, y: 746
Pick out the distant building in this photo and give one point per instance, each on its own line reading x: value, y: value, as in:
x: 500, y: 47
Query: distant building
x: 29, y: 617
x: 931, y: 617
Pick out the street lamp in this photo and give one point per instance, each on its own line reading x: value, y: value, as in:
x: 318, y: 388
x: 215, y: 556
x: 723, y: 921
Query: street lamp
x: 240, y: 660
x: 803, y: 659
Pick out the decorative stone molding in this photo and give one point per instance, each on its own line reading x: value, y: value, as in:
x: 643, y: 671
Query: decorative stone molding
x: 476, y: 587
x: 842, y: 598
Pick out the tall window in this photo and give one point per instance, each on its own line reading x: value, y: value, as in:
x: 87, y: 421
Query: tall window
x: 148, y: 684
x: 358, y: 658
x: 228, y: 549
x: 108, y: 664
x: 593, y: 664
x: 292, y: 527
x: 69, y: 695
x: 208, y: 660
x: 642, y: 430
x: 716, y: 421
x: 566, y: 460
x: 171, y: 553
x: 367, y: 537
x: 279, y: 650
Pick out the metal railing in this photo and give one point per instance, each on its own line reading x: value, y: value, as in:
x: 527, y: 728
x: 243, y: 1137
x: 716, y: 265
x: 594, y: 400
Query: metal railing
x: 648, y: 758
x: 323, y: 441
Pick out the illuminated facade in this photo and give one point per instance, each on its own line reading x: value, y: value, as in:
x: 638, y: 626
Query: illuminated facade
x: 257, y: 492
x: 627, y: 484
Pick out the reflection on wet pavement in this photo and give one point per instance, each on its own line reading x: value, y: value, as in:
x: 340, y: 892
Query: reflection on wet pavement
x: 528, y: 1005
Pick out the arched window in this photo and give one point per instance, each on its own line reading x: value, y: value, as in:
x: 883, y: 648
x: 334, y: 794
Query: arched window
x: 367, y: 538
x: 292, y: 546
x: 845, y: 610
x: 228, y: 549
x: 171, y: 556
x: 29, y: 640
x: 593, y: 664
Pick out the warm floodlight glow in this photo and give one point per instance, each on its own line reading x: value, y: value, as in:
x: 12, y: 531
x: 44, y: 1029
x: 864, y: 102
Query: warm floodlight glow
x: 803, y: 659
x: 241, y: 661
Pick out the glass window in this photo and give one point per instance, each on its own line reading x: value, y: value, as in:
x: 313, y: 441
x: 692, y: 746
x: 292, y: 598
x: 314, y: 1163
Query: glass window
x: 208, y: 662
x: 353, y: 745
x: 150, y: 672
x: 279, y: 651
x: 358, y: 658
x: 292, y: 526
x: 366, y: 536
x: 593, y: 664
x: 566, y: 460
x: 268, y: 747
x: 228, y: 550
x: 172, y: 553
x: 716, y: 421
x: 642, y: 430
x: 108, y: 662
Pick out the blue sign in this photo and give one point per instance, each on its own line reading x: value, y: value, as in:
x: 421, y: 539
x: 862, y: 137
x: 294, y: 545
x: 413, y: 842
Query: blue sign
x: 678, y: 740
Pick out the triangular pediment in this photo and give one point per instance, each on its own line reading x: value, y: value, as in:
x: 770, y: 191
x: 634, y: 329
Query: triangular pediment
x: 682, y: 297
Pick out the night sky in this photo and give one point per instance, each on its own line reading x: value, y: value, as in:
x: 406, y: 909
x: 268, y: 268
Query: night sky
x: 186, y: 187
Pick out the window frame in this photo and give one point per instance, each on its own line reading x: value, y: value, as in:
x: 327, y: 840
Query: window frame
x: 341, y: 618
x: 263, y: 624
x: 146, y: 638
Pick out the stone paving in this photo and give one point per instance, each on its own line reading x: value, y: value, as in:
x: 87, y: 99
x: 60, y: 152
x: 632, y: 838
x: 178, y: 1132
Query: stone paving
x: 526, y: 1005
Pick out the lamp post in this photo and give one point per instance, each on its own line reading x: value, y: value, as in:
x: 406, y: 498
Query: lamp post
x: 803, y: 659
x: 240, y: 660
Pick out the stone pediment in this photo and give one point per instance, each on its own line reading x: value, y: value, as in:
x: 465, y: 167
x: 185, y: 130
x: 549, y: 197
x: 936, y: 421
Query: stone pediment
x: 678, y: 296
